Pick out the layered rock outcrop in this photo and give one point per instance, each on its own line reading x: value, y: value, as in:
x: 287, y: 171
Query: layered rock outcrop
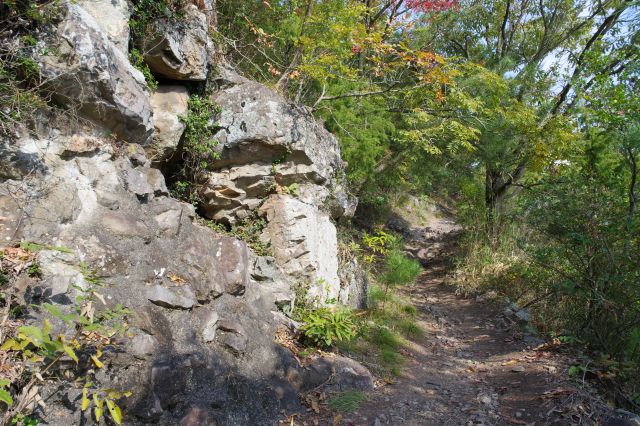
x: 276, y: 158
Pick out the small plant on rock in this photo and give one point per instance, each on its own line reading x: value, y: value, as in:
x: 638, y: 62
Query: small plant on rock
x: 324, y: 328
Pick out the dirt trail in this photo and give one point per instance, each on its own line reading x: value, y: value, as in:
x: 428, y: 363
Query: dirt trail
x: 472, y: 365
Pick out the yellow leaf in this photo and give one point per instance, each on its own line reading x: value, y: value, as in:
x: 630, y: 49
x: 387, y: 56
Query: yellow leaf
x: 96, y: 361
x: 85, y: 399
x: 97, y: 412
x: 114, y: 410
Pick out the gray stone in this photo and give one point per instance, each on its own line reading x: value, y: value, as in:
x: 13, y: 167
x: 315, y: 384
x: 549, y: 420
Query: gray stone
x: 216, y: 266
x: 231, y: 326
x: 179, y: 49
x: 265, y: 269
x: 146, y: 182
x: 305, y: 245
x: 113, y: 18
x: 169, y: 103
x: 210, y: 327
x: 354, y: 285
x: 81, y: 145
x: 236, y: 342
x: 333, y: 374
x: 197, y: 416
x: 142, y: 346
x: 174, y: 298
x: 89, y: 72
x: 124, y: 224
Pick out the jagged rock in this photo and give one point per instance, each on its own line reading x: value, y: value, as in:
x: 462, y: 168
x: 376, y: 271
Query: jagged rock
x: 87, y: 71
x: 169, y: 103
x: 124, y: 224
x: 236, y: 342
x: 145, y: 182
x: 113, y: 18
x: 305, y: 245
x: 216, y: 266
x: 84, y: 203
x: 175, y: 298
x: 265, y: 269
x: 231, y: 326
x: 268, y: 143
x: 81, y: 145
x: 179, y: 49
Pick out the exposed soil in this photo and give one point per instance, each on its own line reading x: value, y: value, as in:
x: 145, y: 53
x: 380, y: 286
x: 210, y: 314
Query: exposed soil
x: 473, y: 365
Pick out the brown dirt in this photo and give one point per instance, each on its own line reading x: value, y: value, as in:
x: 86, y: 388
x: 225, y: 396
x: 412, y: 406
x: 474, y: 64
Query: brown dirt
x: 472, y: 366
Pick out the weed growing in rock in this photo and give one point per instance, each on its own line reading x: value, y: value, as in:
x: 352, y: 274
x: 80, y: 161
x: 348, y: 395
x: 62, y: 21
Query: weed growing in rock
x: 137, y: 60
x: 146, y: 12
x: 198, y: 146
x: 346, y: 402
x: 248, y: 230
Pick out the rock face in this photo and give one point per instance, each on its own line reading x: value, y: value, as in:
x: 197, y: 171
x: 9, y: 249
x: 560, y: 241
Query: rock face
x: 95, y: 77
x: 179, y: 278
x: 204, y: 308
x: 180, y: 49
x: 304, y: 243
x: 169, y: 103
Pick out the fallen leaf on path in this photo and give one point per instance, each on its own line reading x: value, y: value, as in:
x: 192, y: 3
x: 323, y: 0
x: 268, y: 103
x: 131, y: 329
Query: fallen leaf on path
x: 511, y: 362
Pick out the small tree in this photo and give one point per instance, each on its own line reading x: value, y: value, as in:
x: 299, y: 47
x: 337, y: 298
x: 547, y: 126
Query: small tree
x: 398, y: 270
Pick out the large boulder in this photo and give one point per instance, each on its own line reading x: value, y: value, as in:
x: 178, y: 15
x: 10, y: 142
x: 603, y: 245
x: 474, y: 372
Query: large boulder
x: 169, y: 104
x: 179, y: 49
x: 86, y: 70
x: 113, y: 17
x: 269, y: 144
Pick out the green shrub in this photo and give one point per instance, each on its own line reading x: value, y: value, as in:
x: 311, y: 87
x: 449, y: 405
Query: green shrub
x: 325, y: 328
x: 399, y: 269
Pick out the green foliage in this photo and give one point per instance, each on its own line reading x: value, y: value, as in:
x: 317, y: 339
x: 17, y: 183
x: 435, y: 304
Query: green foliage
x: 324, y: 327
x: 249, y: 230
x: 199, y: 146
x: 200, y: 129
x: 101, y: 397
x: 22, y: 420
x: 346, y: 402
x: 399, y: 269
x: 147, y: 12
x: 137, y: 60
x: 37, y: 351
